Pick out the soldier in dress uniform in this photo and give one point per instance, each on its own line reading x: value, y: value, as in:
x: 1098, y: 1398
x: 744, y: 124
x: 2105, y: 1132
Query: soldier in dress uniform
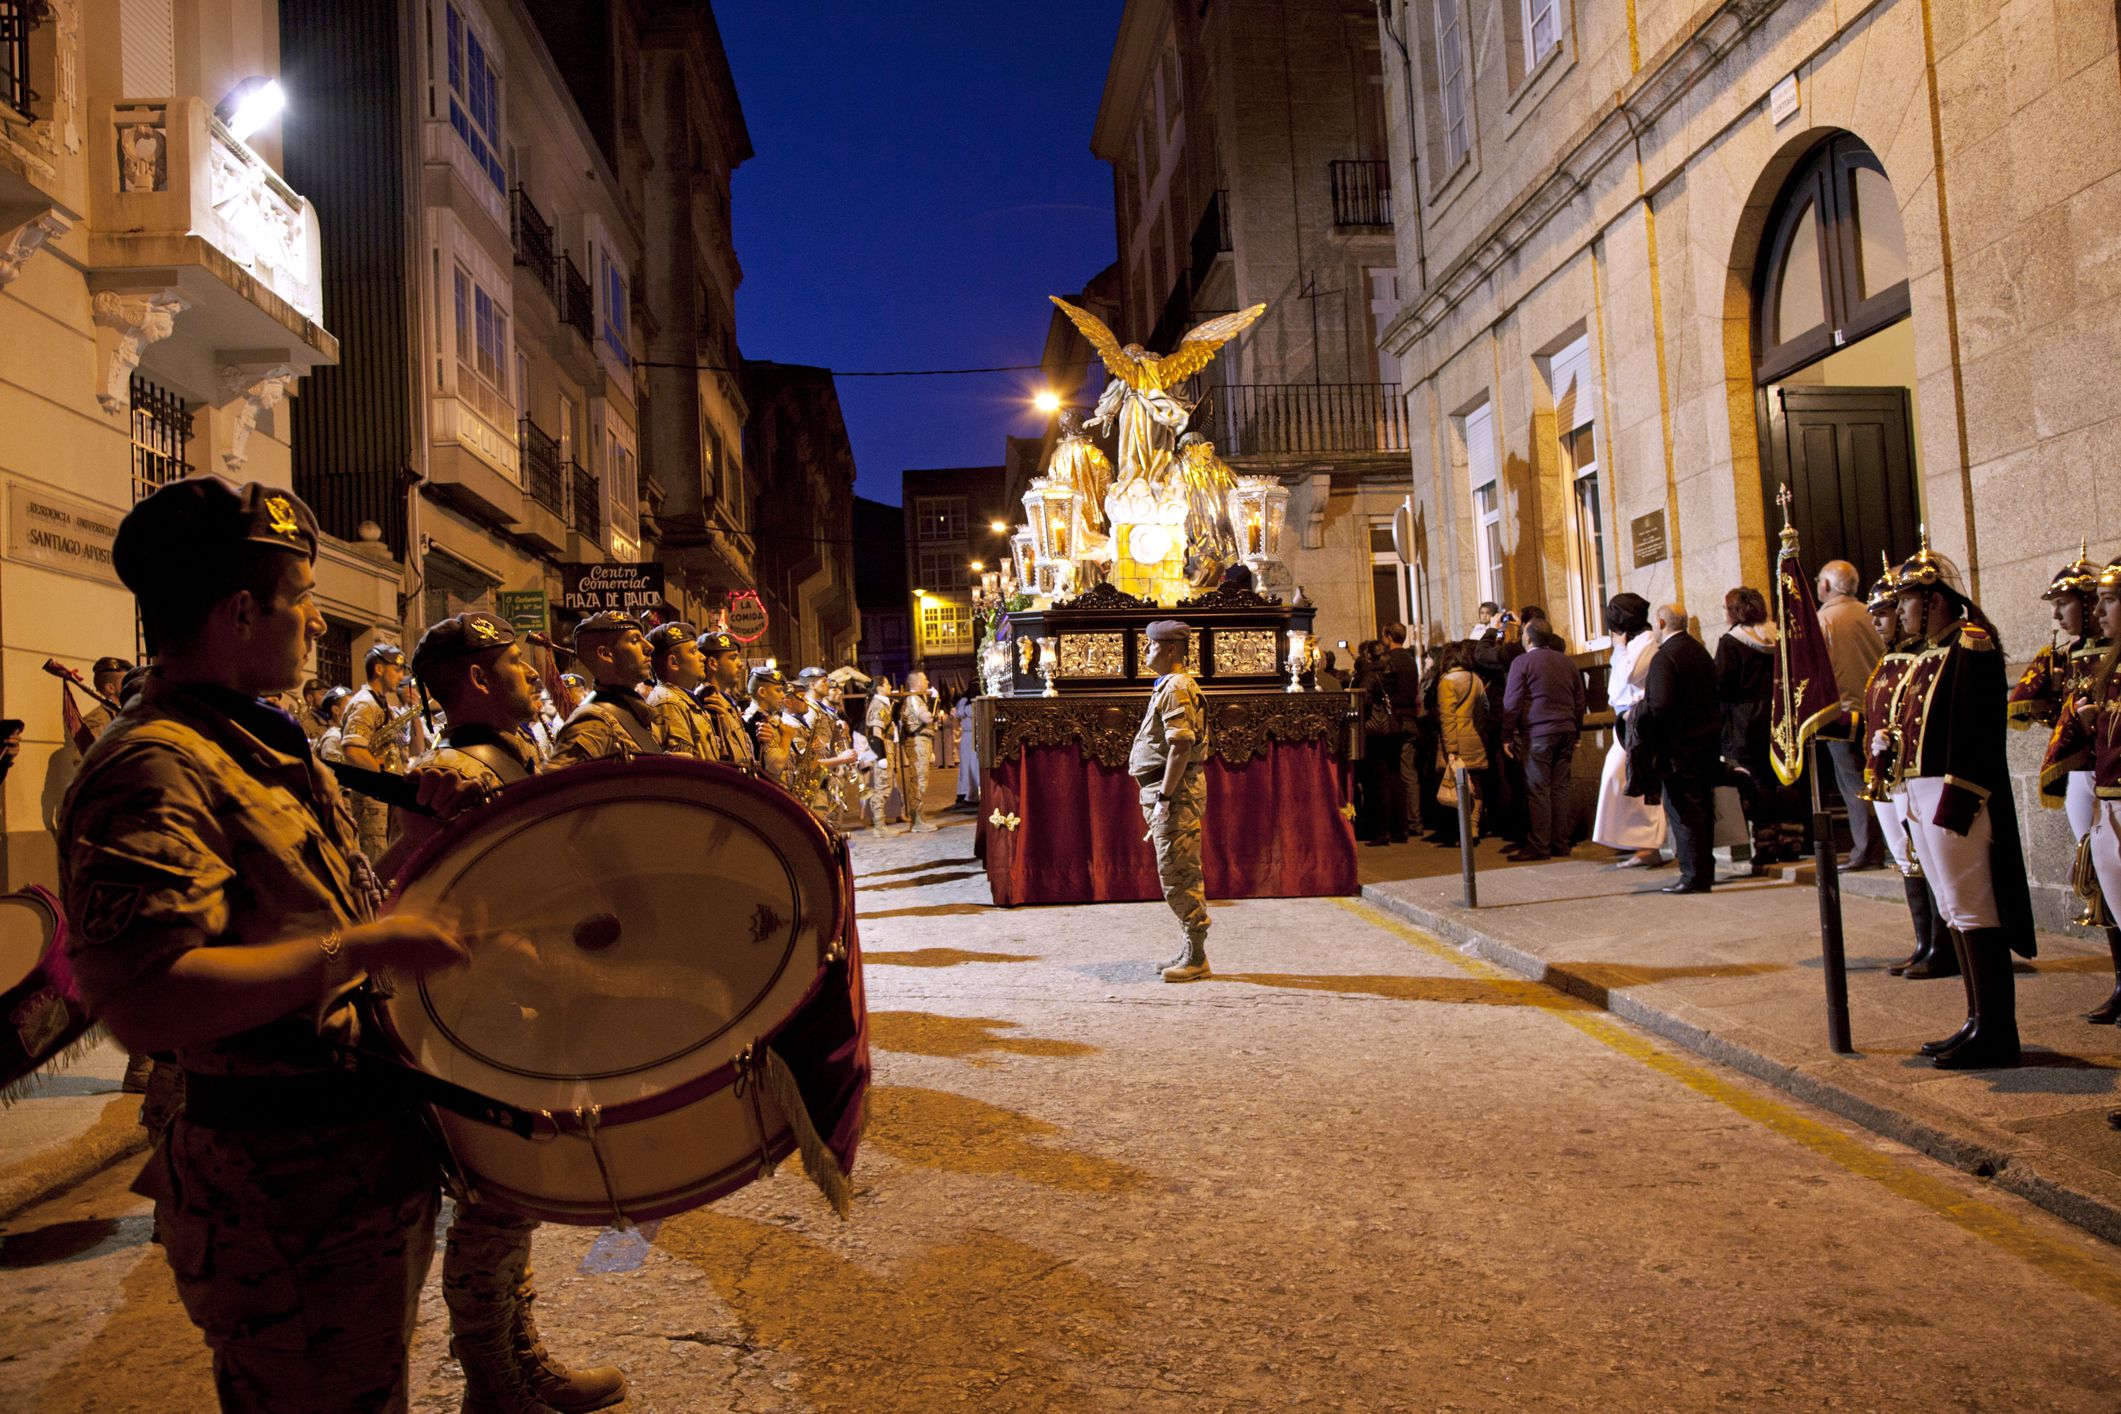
x: 2096, y: 709
x: 476, y: 672
x: 674, y: 662
x: 774, y: 738
x: 1934, y: 955
x: 727, y: 737
x: 916, y: 717
x: 370, y: 737
x: 1166, y: 764
x: 223, y: 911
x: 107, y: 676
x: 2061, y: 673
x: 1957, y: 797
x: 613, y: 721
x: 882, y: 737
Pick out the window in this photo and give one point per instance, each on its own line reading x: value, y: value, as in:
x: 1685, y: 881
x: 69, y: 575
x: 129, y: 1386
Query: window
x: 945, y: 627
x: 1478, y: 428
x: 944, y: 570
x: 612, y: 314
x: 1575, y: 429
x: 622, y: 482
x: 483, y: 350
x: 1833, y: 264
x: 1542, y: 30
x: 14, y: 54
x: 1451, y: 83
x: 1390, y: 581
x: 475, y: 98
x: 570, y: 420
x: 335, y: 654
x: 939, y: 518
x: 161, y: 428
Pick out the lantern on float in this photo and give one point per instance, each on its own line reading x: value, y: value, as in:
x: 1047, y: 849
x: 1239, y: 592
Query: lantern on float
x: 1051, y: 507
x: 1259, y: 508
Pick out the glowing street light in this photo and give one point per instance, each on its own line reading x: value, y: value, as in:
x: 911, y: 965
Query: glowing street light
x: 999, y: 527
x: 1047, y: 401
x: 252, y: 104
x: 978, y: 565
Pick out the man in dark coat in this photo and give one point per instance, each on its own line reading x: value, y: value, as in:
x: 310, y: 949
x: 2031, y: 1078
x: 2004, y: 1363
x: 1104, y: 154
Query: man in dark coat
x: 1677, y: 734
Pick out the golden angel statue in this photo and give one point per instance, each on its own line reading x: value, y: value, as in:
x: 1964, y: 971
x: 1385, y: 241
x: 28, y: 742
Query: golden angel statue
x: 1211, y: 543
x: 1138, y: 402
x: 1081, y: 465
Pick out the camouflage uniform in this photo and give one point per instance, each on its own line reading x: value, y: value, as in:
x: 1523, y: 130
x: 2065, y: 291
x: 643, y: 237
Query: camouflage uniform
x: 878, y: 724
x: 727, y: 740
x: 366, y: 715
x: 611, y: 724
x: 917, y: 729
x: 1175, y: 704
x: 200, y: 820
x: 679, y: 723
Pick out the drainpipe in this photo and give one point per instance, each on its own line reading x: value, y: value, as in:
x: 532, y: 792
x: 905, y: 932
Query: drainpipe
x: 1406, y: 95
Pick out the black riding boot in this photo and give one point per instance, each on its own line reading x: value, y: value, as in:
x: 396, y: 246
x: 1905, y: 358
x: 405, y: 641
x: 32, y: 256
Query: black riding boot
x: 1994, y: 1042
x: 2109, y: 1011
x: 1943, y: 960
x: 1922, y: 912
x: 1973, y: 1002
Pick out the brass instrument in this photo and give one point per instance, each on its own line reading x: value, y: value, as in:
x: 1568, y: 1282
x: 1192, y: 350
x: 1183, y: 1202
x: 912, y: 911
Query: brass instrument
x: 2084, y: 879
x: 381, y: 735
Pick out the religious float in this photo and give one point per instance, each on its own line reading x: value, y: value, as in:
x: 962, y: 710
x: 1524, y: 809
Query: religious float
x: 1157, y: 529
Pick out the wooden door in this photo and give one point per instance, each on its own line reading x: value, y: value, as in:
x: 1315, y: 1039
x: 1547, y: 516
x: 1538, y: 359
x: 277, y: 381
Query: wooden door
x: 1848, y: 457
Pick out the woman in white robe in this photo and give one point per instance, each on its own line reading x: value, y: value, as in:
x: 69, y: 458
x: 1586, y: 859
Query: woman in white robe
x: 967, y: 752
x: 1625, y: 822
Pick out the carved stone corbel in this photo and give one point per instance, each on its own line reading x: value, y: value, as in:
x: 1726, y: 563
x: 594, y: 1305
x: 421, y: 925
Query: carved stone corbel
x: 1307, y: 508
x: 18, y: 244
x: 255, y: 388
x: 125, y: 325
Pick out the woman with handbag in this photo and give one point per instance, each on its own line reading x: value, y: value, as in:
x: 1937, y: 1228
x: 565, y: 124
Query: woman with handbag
x: 1635, y: 827
x: 1462, y: 730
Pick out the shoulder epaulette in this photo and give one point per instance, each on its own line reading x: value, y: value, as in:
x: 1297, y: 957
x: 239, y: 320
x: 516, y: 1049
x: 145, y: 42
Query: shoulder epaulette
x: 1976, y: 637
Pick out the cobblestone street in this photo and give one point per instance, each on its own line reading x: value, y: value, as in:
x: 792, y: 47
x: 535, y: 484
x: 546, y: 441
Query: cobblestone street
x: 1357, y: 1170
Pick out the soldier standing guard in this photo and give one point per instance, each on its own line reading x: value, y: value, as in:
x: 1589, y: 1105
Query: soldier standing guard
x: 612, y: 722
x: 476, y: 672
x: 369, y: 739
x: 1165, y: 763
x: 882, y: 739
x: 917, y: 730
x: 727, y: 740
x: 1934, y: 955
x: 1958, y: 803
x: 223, y: 911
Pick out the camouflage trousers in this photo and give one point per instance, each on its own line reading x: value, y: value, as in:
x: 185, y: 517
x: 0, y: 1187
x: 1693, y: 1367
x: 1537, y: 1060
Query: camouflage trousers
x: 373, y: 817
x: 1177, y: 842
x: 880, y: 789
x: 923, y: 753
x: 485, y: 1262
x: 299, y: 1254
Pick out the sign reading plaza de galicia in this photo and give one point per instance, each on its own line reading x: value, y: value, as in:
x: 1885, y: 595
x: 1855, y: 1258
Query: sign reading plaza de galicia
x: 592, y: 589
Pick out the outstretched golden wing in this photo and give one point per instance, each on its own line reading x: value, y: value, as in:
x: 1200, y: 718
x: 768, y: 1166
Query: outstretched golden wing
x: 1103, y: 340
x: 1198, y: 348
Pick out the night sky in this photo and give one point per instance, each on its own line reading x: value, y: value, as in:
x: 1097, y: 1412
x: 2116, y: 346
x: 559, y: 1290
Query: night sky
x: 923, y: 182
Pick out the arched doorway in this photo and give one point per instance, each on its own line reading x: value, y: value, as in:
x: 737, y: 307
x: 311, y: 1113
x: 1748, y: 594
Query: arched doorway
x: 1834, y: 360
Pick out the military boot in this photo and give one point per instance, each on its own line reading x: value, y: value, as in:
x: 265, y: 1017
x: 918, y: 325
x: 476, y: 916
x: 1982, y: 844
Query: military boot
x: 493, y: 1381
x: 1193, y: 966
x: 1993, y: 1043
x: 1918, y: 909
x: 570, y: 1391
x: 2109, y: 1011
x: 1973, y: 1001
x: 1943, y: 959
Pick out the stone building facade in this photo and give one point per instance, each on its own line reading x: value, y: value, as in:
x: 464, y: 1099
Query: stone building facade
x: 1249, y: 154
x: 795, y: 442
x: 1658, y: 260
x: 163, y: 307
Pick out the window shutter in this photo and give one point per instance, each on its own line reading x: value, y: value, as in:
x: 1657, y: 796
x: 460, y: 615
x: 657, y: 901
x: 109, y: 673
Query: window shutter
x: 147, y: 48
x: 1570, y: 373
x: 1480, y: 445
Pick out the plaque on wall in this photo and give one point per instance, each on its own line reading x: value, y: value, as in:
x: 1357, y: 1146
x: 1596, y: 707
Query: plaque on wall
x: 1650, y: 545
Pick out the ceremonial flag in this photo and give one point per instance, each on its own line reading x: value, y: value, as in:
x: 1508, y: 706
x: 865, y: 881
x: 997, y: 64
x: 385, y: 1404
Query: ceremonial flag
x: 556, y: 687
x: 78, y: 730
x: 1806, y: 697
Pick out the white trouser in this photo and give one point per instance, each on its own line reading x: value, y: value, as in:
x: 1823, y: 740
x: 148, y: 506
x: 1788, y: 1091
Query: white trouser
x: 1956, y: 866
x: 1892, y: 823
x: 2080, y: 805
x: 2106, y: 850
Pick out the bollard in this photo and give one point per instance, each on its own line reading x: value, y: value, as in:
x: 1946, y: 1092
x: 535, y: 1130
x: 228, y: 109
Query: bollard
x: 1836, y: 962
x: 1471, y: 897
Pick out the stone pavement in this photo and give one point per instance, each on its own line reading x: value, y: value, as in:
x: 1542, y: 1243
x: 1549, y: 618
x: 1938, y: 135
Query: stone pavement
x: 1736, y: 975
x: 68, y: 1124
x: 1359, y: 1170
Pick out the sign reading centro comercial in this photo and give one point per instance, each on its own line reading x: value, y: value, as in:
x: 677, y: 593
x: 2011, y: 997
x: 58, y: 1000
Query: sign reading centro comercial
x: 60, y: 532
x: 591, y: 589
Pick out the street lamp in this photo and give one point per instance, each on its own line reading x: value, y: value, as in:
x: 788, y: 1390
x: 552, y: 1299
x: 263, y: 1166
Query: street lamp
x: 250, y: 105
x: 1046, y: 401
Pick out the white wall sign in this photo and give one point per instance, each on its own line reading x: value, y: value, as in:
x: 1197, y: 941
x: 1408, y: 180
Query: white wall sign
x: 1782, y: 100
x: 60, y: 533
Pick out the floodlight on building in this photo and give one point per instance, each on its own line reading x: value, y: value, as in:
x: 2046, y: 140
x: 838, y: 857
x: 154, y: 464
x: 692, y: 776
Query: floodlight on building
x: 1046, y: 401
x: 250, y: 105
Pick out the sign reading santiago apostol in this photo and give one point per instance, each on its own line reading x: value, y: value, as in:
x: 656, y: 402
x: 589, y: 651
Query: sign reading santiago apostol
x: 591, y: 589
x: 60, y: 532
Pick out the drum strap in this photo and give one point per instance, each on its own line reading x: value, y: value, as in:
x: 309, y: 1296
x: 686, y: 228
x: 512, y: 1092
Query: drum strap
x: 418, y: 1087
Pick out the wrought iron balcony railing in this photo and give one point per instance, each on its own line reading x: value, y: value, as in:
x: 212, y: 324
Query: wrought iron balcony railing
x: 16, y: 17
x: 1295, y: 419
x: 542, y: 473
x: 588, y: 504
x: 1362, y: 193
x: 575, y: 309
x: 533, y: 237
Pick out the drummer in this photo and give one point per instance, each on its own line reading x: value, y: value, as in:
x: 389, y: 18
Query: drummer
x: 476, y: 672
x: 723, y: 658
x: 223, y: 911
x: 613, y: 722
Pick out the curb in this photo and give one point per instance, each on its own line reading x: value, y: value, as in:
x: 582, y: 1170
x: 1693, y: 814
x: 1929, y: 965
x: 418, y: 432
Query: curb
x: 115, y: 1136
x: 1978, y: 1157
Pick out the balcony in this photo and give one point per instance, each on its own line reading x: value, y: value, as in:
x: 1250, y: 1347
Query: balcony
x: 576, y: 311
x: 1362, y: 193
x: 192, y: 233
x: 588, y: 522
x: 545, y: 477
x: 1305, y: 419
x: 532, y: 234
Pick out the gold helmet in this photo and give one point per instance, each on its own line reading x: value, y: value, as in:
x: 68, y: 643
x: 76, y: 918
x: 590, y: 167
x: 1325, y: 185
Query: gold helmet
x: 2110, y: 577
x: 2079, y: 576
x: 1926, y: 570
x: 1885, y: 590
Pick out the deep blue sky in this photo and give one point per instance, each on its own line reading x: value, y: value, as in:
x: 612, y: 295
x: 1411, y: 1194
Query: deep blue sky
x: 923, y: 182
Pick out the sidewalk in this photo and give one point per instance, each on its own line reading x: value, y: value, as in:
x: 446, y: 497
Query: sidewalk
x: 70, y: 1126
x: 1736, y: 975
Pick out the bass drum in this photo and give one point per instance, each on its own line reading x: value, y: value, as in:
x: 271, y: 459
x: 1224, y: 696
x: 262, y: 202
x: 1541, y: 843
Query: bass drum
x: 640, y: 932
x: 41, y: 1014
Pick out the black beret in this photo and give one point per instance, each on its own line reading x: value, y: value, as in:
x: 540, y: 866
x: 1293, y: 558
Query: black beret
x: 667, y: 636
x: 464, y: 636
x: 109, y: 665
x: 767, y: 677
x: 384, y: 653
x: 609, y: 621
x: 196, y: 521
x: 715, y: 641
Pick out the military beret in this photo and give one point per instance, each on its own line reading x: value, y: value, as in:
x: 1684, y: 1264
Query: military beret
x: 715, y: 641
x: 333, y: 696
x: 609, y: 621
x: 664, y: 637
x: 196, y: 521
x: 109, y: 665
x: 464, y: 636
x: 384, y: 653
x: 1167, y: 631
x: 766, y: 677
x: 808, y: 676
